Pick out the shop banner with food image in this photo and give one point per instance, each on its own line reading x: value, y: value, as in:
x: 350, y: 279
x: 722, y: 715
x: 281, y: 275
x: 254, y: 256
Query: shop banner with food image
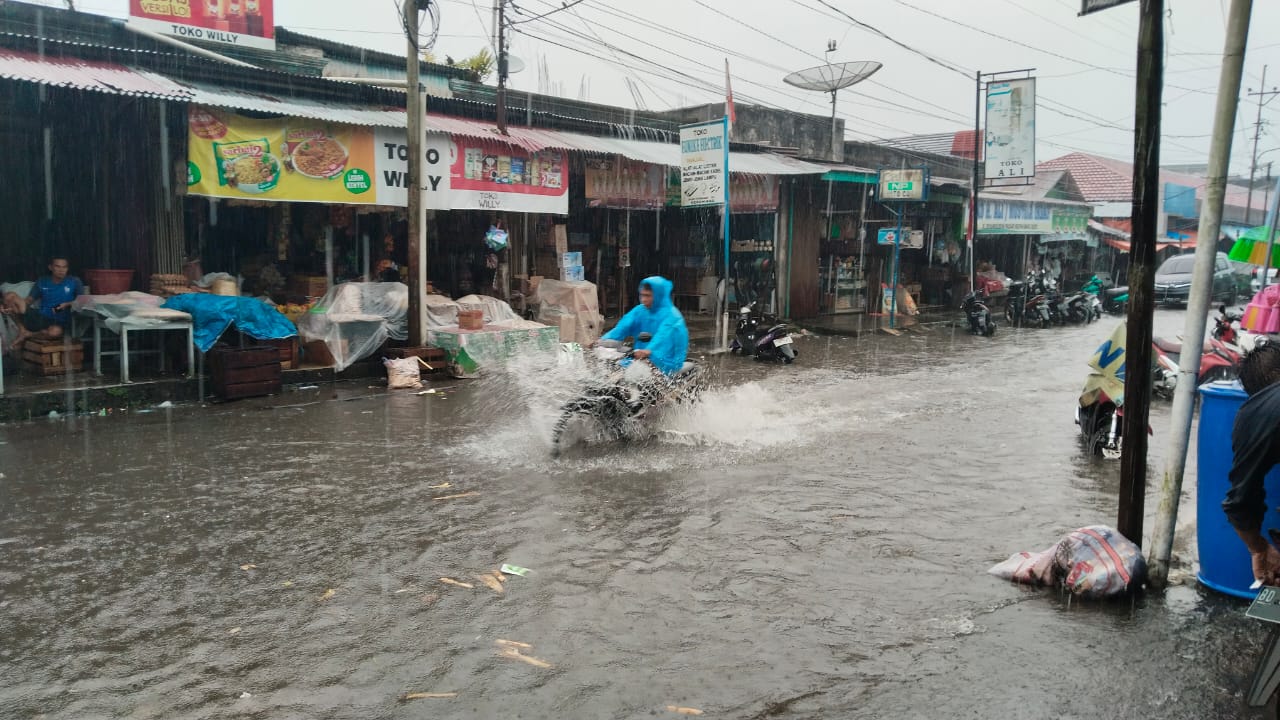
x: 280, y: 159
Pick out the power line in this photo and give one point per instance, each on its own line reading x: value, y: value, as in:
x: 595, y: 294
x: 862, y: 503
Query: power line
x: 563, y: 7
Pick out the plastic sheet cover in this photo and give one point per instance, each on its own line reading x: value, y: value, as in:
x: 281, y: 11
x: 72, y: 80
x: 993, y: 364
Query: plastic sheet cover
x: 136, y: 309
x: 354, y: 319
x: 496, y: 312
x: 213, y: 314
x: 572, y: 306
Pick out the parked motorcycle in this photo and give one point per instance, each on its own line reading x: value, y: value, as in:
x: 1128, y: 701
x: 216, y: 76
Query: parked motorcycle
x: 621, y: 396
x: 1218, y: 361
x: 1027, y: 304
x: 762, y: 337
x: 1114, y: 300
x: 1100, y: 411
x: 1225, y: 326
x: 979, y: 315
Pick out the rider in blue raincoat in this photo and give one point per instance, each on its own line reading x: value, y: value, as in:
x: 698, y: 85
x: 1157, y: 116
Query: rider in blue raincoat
x: 656, y: 315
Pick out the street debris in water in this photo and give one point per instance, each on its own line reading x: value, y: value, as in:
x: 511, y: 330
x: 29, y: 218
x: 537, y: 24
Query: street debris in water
x: 328, y: 594
x: 515, y: 570
x: 165, y: 405
x: 441, y: 486
x: 233, y: 631
x: 455, y: 583
x: 511, y: 649
x: 245, y: 695
x: 248, y: 566
x: 491, y: 582
x: 684, y: 710
x: 455, y: 497
x: 429, y: 696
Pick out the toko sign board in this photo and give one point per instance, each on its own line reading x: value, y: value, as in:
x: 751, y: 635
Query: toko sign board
x: 1011, y: 130
x: 704, y: 163
x: 905, y: 185
x: 1092, y: 6
x: 245, y: 23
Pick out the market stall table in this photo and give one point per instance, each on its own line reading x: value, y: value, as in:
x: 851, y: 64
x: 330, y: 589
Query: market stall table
x: 132, y: 324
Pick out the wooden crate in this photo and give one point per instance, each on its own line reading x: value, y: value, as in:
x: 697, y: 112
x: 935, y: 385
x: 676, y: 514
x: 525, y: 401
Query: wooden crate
x: 245, y: 372
x: 308, y: 285
x: 52, y: 357
x: 287, y: 348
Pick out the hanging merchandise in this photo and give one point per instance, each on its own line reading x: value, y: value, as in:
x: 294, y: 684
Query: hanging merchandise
x: 496, y: 238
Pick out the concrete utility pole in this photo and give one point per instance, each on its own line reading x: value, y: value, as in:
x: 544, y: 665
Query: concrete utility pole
x: 413, y: 178
x: 1142, y: 260
x: 1264, y: 98
x: 1201, y: 288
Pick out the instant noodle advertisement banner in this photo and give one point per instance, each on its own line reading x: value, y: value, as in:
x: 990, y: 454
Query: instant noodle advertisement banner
x: 282, y: 159
x: 248, y: 23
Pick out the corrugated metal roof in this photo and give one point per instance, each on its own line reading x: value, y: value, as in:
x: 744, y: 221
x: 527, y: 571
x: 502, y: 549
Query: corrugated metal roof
x: 331, y: 112
x: 530, y: 139
x: 88, y: 75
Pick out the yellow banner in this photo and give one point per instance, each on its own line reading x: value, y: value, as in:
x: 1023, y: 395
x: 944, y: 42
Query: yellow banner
x: 281, y: 159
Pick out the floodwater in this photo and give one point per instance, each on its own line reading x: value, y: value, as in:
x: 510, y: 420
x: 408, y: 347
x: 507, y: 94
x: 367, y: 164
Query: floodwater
x: 810, y: 542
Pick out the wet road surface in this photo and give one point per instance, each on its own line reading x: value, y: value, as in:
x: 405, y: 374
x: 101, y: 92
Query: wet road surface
x: 811, y: 541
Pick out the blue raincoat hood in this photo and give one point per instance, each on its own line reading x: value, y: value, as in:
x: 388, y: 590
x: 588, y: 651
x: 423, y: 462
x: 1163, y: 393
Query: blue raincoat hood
x: 670, y: 342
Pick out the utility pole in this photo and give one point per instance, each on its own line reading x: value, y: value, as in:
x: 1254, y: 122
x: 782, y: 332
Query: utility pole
x: 1142, y: 260
x: 413, y: 177
x: 1224, y: 123
x: 502, y: 66
x: 1264, y: 98
x: 979, y: 142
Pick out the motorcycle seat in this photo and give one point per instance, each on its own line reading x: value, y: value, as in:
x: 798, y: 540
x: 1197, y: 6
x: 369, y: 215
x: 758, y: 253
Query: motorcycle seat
x: 1174, y: 347
x: 1117, y: 291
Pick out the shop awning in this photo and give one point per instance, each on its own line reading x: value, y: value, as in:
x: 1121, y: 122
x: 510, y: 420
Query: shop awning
x: 291, y: 107
x: 80, y: 74
x: 868, y: 176
x: 530, y: 139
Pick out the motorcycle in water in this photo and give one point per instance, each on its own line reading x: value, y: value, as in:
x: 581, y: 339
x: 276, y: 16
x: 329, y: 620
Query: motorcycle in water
x: 623, y: 394
x: 762, y: 337
x: 1100, y: 411
x: 979, y: 315
x: 1114, y: 300
x: 1027, y: 304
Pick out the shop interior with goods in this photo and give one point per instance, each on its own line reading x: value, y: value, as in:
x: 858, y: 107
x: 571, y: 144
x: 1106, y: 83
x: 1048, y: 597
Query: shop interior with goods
x: 855, y: 258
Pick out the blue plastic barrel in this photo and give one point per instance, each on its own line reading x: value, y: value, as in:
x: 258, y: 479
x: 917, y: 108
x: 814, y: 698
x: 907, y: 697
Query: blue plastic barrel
x: 1224, y: 560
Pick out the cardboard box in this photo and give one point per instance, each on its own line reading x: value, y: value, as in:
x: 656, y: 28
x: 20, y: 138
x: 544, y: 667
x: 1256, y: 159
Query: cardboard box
x: 471, y: 319
x: 570, y: 259
x: 572, y: 274
x: 561, y: 235
x: 568, y: 328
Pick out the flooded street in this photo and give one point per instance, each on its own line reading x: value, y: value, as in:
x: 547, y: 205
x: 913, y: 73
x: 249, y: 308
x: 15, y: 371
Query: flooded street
x: 811, y: 541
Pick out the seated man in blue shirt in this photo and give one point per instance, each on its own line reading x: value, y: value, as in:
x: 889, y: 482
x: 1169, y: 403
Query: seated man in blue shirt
x: 46, y: 314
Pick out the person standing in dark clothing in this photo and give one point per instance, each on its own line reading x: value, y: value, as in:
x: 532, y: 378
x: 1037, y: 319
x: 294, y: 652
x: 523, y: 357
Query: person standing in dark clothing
x: 1255, y: 446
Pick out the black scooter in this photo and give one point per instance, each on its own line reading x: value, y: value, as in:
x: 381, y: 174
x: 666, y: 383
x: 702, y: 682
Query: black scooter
x: 762, y: 337
x: 979, y: 315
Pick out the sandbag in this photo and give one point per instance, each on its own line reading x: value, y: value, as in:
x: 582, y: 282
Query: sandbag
x: 404, y: 373
x: 1092, y: 562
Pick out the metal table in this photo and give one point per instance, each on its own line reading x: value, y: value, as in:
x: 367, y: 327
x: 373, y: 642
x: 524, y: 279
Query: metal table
x: 129, y: 326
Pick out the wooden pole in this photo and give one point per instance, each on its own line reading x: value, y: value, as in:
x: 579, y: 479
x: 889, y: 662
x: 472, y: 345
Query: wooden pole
x: 413, y: 174
x: 1142, y: 260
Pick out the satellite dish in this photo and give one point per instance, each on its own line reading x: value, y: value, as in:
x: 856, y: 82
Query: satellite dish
x: 514, y: 64
x: 836, y: 76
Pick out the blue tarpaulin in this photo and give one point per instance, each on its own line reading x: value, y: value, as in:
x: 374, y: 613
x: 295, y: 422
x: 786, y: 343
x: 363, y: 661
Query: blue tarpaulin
x: 213, y: 314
